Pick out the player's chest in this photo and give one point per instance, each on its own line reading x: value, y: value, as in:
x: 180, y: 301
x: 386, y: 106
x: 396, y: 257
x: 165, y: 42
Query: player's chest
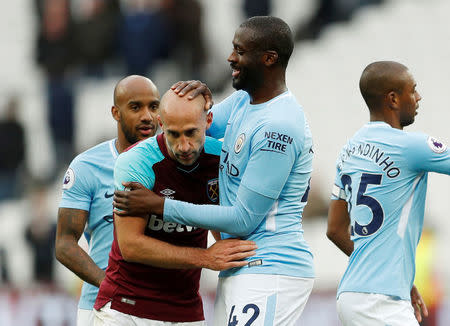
x: 236, y: 149
x: 198, y: 187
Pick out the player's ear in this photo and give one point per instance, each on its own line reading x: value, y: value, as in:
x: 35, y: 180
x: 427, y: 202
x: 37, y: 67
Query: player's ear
x: 115, y: 113
x: 209, y: 119
x: 270, y: 58
x: 393, y: 100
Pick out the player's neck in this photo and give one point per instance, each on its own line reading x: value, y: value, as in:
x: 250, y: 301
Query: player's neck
x: 392, y: 122
x: 121, y: 144
x: 267, y: 92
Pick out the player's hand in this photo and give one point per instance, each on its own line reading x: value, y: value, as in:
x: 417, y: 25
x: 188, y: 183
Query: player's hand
x: 420, y: 308
x: 229, y: 253
x: 139, y: 201
x: 183, y: 87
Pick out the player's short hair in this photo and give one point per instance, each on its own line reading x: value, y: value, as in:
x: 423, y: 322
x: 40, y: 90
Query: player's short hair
x: 379, y: 78
x: 272, y: 33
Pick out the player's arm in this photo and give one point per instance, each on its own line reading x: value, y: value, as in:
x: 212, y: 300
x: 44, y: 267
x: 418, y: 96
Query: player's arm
x: 70, y: 227
x: 239, y: 220
x: 136, y: 247
x: 424, y: 153
x: 338, y: 226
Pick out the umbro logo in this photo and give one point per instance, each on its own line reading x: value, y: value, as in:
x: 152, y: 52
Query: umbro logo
x: 167, y: 192
x: 108, y: 195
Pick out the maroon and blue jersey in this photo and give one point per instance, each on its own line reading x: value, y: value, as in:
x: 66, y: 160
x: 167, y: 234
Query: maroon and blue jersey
x: 151, y: 292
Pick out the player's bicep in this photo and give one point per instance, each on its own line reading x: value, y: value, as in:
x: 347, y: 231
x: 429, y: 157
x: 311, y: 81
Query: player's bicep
x: 71, y: 223
x: 129, y: 230
x: 270, y: 163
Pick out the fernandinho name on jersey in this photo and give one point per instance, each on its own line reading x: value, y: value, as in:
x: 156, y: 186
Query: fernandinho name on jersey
x: 376, y: 154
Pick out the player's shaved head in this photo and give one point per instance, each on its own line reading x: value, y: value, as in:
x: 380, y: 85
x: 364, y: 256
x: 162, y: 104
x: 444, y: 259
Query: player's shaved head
x: 176, y: 106
x: 184, y: 123
x: 378, y: 79
x: 132, y: 84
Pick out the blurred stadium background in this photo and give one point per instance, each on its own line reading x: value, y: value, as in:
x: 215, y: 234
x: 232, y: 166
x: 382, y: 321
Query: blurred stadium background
x: 61, y: 59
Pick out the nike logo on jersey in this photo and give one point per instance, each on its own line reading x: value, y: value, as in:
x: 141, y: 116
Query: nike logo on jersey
x: 108, y: 195
x: 108, y: 218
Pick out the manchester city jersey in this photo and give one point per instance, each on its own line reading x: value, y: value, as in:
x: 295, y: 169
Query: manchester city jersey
x: 268, y: 149
x: 89, y: 185
x: 382, y: 173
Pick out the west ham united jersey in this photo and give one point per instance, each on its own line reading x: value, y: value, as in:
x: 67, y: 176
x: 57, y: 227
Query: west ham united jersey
x: 382, y: 172
x: 89, y: 185
x: 151, y: 292
x: 268, y: 149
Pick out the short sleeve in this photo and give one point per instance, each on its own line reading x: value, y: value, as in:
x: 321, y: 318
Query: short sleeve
x: 78, y: 188
x: 274, y: 149
x: 425, y: 153
x: 128, y: 168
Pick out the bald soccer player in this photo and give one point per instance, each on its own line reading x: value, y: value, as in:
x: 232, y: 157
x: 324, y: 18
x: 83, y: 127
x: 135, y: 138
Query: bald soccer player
x: 377, y: 208
x: 88, y: 187
x: 154, y: 266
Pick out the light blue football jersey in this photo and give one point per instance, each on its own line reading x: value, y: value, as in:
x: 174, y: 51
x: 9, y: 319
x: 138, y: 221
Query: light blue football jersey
x: 89, y: 185
x: 267, y: 149
x: 382, y: 173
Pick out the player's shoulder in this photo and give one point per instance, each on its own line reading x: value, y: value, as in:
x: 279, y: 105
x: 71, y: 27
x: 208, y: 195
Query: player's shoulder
x: 96, y: 155
x: 212, y: 146
x: 146, y: 151
x: 239, y: 95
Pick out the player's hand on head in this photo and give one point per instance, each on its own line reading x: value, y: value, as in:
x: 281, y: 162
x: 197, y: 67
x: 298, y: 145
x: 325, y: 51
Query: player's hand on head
x: 229, y: 253
x: 136, y: 200
x: 420, y: 308
x: 183, y: 87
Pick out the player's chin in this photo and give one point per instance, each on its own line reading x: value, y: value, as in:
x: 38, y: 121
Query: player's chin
x: 186, y: 160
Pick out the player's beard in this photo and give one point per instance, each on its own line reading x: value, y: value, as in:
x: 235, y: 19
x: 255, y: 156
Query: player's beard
x: 249, y: 79
x: 130, y: 135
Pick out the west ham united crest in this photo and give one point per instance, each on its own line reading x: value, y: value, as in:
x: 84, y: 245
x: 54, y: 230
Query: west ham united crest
x: 239, y: 143
x: 212, y: 190
x: 69, y: 179
x: 436, y: 145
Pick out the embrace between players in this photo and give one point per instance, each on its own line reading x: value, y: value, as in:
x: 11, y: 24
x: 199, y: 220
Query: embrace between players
x: 167, y: 197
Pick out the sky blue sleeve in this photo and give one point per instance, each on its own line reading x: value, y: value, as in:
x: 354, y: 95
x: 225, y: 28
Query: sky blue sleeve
x: 77, y: 187
x: 424, y: 153
x: 221, y: 115
x: 239, y: 220
x: 270, y: 179
x: 127, y: 169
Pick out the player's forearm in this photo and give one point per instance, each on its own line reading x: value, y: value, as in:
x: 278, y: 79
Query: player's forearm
x: 240, y: 220
x: 149, y: 251
x: 71, y: 255
x: 342, y: 241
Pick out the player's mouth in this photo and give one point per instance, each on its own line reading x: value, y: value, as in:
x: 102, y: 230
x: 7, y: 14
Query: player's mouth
x: 146, y: 130
x: 186, y: 157
x: 235, y: 71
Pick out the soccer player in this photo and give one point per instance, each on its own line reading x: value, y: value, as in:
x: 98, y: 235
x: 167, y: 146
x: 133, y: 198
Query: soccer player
x: 377, y: 207
x: 154, y: 266
x: 88, y: 188
x: 265, y: 167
